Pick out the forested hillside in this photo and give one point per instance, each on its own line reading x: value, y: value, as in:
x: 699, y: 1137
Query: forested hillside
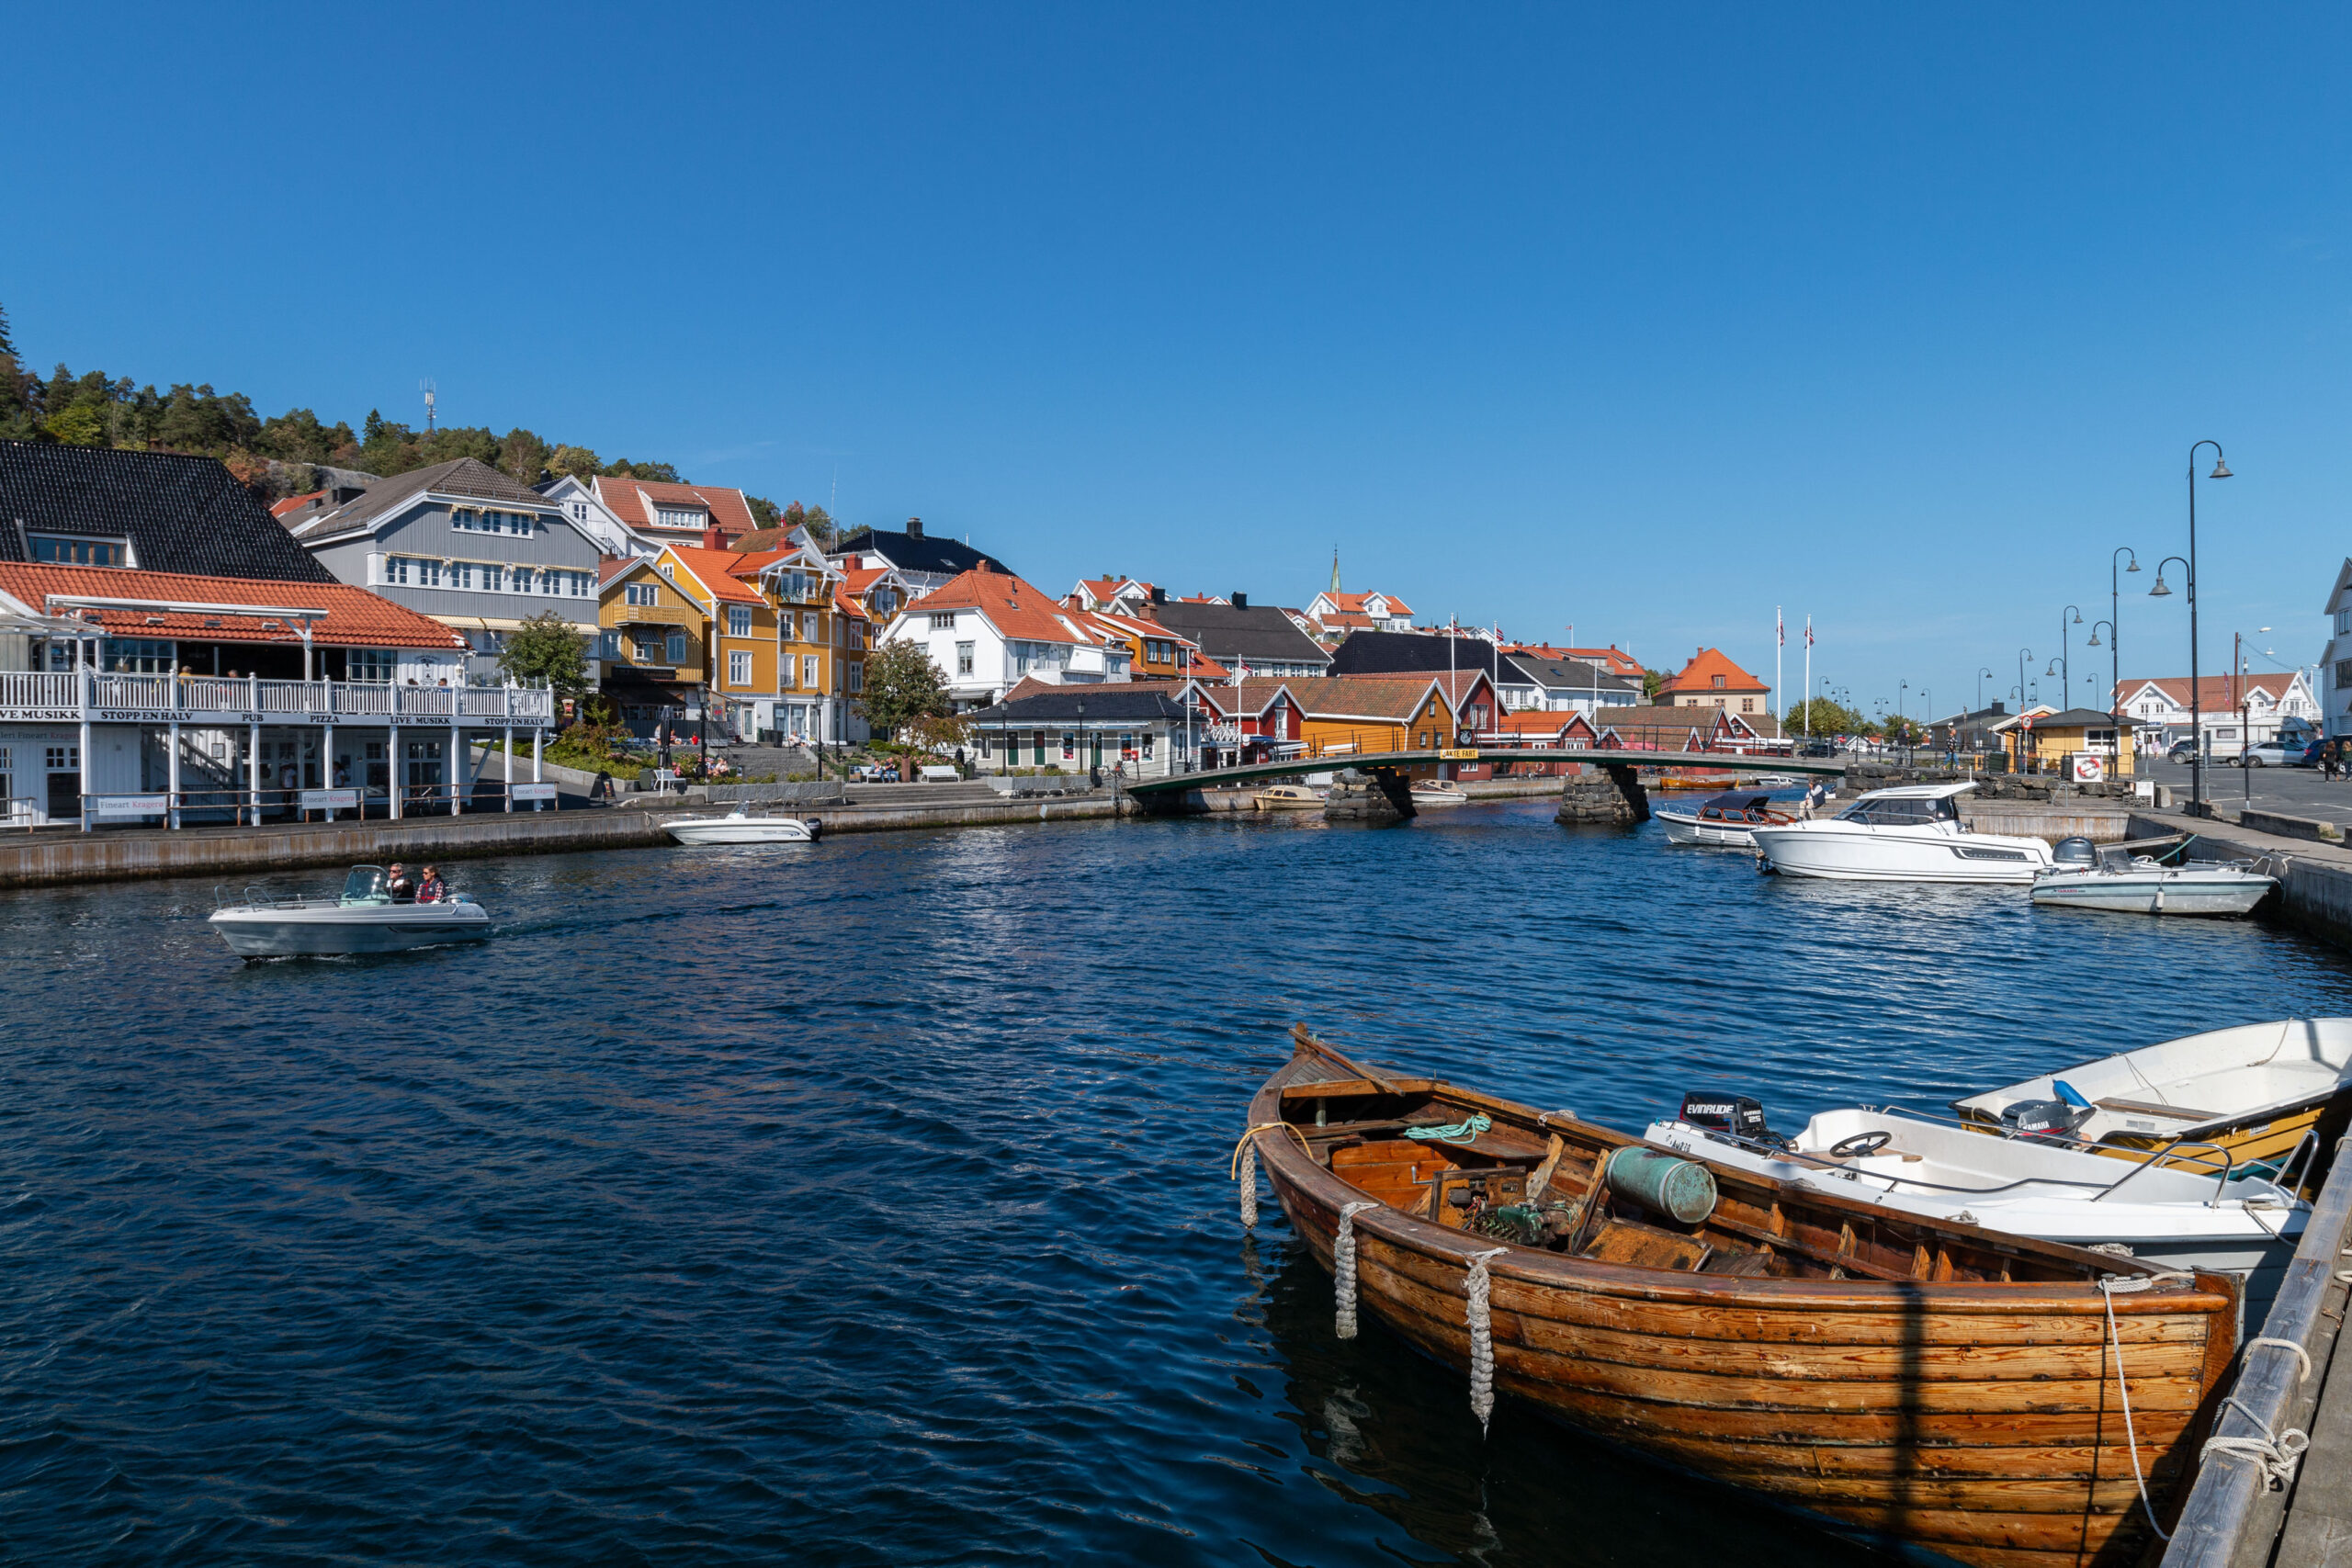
x: 274, y: 455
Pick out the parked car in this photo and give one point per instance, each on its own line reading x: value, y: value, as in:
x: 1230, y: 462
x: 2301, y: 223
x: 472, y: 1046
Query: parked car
x: 1817, y: 749
x: 2270, y: 754
x: 2183, y: 751
x: 2310, y: 757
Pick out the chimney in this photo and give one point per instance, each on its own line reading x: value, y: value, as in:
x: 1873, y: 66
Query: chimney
x: 712, y: 539
x: 1240, y: 601
x: 914, y: 527
x: 1160, y: 596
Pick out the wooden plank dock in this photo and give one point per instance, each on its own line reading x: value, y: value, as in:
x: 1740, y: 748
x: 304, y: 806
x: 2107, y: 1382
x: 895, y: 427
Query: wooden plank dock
x: 2249, y: 1508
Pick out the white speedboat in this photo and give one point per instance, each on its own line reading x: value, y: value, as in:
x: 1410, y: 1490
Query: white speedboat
x: 1290, y: 797
x: 1911, y: 833
x: 2188, y: 1209
x: 1438, y: 792
x: 1729, y: 818
x: 739, y: 827
x: 2087, y: 877
x: 364, y: 917
x: 2256, y: 1090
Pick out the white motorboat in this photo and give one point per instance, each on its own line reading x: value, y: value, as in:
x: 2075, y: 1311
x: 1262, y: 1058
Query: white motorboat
x: 2192, y: 1208
x: 1438, y: 792
x: 2087, y: 877
x: 1730, y: 819
x: 1910, y: 833
x: 1290, y: 797
x: 739, y: 827
x: 364, y: 917
x: 2258, y: 1090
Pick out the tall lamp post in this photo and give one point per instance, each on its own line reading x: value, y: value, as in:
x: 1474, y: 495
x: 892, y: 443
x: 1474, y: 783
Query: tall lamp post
x: 1983, y: 672
x: 2114, y: 702
x: 2115, y: 637
x: 2023, y: 654
x: 2196, y: 697
x: 2065, y: 666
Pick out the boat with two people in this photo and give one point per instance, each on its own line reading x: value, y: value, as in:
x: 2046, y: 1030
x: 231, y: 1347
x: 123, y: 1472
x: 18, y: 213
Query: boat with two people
x: 2119, y: 877
x: 1729, y: 818
x: 1437, y: 792
x: 1906, y: 1380
x: 1290, y: 797
x: 1910, y: 833
x: 2261, y: 1093
x: 2185, y: 1206
x: 741, y: 826
x: 375, y: 912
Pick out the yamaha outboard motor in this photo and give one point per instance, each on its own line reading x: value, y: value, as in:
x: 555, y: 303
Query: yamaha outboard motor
x: 2048, y: 1118
x: 1734, y: 1115
x: 2076, y: 850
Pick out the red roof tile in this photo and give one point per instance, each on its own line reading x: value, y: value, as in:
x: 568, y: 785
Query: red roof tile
x: 1699, y: 675
x: 627, y: 498
x: 295, y: 503
x: 1017, y: 608
x: 355, y: 618
x: 718, y: 570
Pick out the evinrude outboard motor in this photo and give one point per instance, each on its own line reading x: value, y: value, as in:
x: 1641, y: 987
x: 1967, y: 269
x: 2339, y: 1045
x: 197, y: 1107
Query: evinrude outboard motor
x: 1734, y: 1115
x: 2048, y: 1118
x: 2076, y: 850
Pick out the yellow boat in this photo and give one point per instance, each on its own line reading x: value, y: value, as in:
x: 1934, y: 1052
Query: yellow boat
x: 1290, y: 797
x: 2254, y: 1092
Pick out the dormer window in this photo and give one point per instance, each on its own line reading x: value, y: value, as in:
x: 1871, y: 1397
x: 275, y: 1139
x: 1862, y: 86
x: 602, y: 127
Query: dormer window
x: 68, y: 549
x: 680, y: 517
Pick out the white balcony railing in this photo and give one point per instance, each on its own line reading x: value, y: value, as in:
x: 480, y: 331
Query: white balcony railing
x: 76, y: 695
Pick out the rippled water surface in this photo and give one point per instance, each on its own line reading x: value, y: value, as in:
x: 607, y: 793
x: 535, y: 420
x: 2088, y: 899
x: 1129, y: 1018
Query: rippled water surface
x: 867, y: 1202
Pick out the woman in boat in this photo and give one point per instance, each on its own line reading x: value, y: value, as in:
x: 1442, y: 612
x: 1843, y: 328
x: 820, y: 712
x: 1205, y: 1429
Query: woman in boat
x: 430, y: 890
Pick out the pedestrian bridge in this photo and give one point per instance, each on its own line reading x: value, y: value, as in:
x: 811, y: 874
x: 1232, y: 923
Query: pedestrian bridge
x: 1294, y: 767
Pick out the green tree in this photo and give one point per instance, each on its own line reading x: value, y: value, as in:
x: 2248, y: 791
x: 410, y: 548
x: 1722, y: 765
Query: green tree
x: 545, y: 649
x: 653, y: 473
x: 1653, y: 681
x: 523, y: 455
x: 577, y: 462
x: 763, y: 511
x: 815, y: 519
x: 1822, y: 716
x: 902, y: 686
x: 77, y: 424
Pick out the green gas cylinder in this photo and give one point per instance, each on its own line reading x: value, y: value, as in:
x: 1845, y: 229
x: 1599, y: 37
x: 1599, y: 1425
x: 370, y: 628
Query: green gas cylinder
x: 1667, y: 1183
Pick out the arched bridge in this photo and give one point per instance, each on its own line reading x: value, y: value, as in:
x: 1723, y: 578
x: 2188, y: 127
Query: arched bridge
x: 1294, y: 767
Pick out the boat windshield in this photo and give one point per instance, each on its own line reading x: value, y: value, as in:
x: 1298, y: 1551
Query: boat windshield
x: 1904, y: 811
x: 365, y: 885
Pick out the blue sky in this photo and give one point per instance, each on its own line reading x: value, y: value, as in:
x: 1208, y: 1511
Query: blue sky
x: 1647, y: 324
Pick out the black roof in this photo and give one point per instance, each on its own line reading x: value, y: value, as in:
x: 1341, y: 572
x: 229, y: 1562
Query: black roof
x: 1409, y: 653
x: 181, y: 514
x: 1104, y: 704
x: 1568, y: 674
x: 916, y: 552
x: 468, y: 476
x: 1260, y: 631
x: 2075, y: 718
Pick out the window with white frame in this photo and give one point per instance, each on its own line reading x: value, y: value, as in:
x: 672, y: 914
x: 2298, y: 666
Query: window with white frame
x: 808, y: 671
x: 375, y: 665
x: 810, y: 632
x: 738, y: 669
x: 461, y: 574
x: 857, y: 678
x: 583, y: 583
x: 679, y: 517
x: 494, y: 578
x: 608, y: 645
x: 428, y: 574
x: 649, y: 648
x: 739, y: 621
x: 667, y: 571
x: 943, y: 621
x: 787, y: 669
x: 396, y: 569
x: 964, y: 658
x: 640, y: 593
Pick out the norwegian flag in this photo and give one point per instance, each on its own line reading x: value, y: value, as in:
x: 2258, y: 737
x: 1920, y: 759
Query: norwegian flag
x: 1808, y: 631
x: 1781, y: 628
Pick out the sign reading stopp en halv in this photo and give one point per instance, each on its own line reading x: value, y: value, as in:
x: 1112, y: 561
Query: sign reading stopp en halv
x: 165, y: 716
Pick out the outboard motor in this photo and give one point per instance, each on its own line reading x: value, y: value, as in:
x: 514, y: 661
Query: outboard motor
x: 2076, y: 850
x: 1734, y: 1115
x: 2046, y: 1118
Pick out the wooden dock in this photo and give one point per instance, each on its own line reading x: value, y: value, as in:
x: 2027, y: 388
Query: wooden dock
x: 2249, y: 1507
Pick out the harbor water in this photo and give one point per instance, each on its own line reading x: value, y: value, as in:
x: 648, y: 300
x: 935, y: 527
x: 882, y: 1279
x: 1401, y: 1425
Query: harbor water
x: 866, y: 1203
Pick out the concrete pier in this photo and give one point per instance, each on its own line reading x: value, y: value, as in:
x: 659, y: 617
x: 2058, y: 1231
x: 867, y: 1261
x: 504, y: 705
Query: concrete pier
x: 1610, y: 793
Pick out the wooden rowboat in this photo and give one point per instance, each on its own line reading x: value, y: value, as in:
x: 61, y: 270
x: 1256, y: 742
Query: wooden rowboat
x: 1934, y: 1388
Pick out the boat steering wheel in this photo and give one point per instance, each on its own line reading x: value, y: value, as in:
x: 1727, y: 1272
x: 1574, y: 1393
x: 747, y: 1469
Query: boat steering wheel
x: 1859, y: 1144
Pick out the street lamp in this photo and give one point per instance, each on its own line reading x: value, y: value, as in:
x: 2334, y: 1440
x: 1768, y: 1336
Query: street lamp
x: 2023, y: 654
x: 2114, y: 702
x: 2196, y: 697
x: 1984, y: 671
x: 2115, y: 639
x: 2065, y: 667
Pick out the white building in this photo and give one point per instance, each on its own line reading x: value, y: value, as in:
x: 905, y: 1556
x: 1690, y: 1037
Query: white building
x: 2238, y: 710
x: 987, y: 630
x: 2336, y: 660
x: 635, y: 517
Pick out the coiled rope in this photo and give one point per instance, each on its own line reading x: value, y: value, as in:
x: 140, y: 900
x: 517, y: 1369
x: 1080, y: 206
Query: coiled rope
x: 1479, y: 1314
x: 1463, y: 1132
x: 2275, y: 1452
x: 1343, y: 1270
x: 2109, y: 1287
x: 1243, y: 1166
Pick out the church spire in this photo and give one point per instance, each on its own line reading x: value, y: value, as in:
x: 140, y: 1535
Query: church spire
x: 1335, y: 568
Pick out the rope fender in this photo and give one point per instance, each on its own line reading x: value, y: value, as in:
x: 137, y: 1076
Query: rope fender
x: 1343, y: 1272
x: 1243, y: 1166
x: 1479, y: 1314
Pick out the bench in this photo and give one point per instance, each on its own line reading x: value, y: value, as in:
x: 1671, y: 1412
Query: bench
x: 940, y: 772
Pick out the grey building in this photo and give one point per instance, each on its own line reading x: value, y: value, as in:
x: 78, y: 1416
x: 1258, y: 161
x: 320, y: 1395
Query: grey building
x: 1266, y: 640
x: 468, y: 546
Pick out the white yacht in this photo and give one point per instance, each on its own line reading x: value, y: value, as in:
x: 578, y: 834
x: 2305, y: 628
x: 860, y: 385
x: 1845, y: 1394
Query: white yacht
x: 364, y: 918
x: 1730, y: 819
x: 2086, y: 876
x: 1911, y: 833
x: 739, y: 827
x: 2189, y: 1208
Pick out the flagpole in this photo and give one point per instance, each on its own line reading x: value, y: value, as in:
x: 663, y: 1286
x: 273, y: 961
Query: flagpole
x: 1808, y: 677
x: 1780, y: 646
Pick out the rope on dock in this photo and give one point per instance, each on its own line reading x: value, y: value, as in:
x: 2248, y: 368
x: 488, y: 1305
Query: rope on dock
x: 1479, y: 1313
x: 1343, y: 1270
x: 2109, y: 1287
x: 2276, y: 1452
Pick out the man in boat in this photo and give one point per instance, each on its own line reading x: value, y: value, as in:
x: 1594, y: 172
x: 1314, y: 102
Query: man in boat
x: 400, y: 883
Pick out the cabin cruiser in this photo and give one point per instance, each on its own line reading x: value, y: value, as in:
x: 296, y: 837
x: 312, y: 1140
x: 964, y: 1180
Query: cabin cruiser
x: 1437, y: 792
x: 2191, y: 1207
x: 1910, y: 833
x: 1727, y: 818
x: 739, y: 827
x: 2086, y: 876
x: 1290, y: 797
x: 364, y: 918
x: 2258, y: 1090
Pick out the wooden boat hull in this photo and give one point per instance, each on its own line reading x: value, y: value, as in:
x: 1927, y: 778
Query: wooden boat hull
x: 1974, y: 1422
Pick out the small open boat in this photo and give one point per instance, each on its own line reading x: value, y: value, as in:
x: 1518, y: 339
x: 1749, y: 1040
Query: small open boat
x: 739, y: 827
x: 1290, y: 797
x: 1730, y: 818
x: 364, y: 918
x: 2088, y: 876
x: 1905, y: 1381
x: 1437, y: 792
x: 2254, y: 1092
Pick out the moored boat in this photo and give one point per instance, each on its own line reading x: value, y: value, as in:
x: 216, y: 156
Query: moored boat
x: 1438, y: 792
x: 2254, y: 1092
x: 1910, y: 833
x: 1729, y: 818
x: 2113, y: 878
x: 364, y: 918
x: 1290, y: 797
x: 1905, y: 1381
x: 739, y: 827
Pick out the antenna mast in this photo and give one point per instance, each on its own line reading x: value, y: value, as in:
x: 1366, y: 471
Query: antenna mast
x: 426, y: 386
